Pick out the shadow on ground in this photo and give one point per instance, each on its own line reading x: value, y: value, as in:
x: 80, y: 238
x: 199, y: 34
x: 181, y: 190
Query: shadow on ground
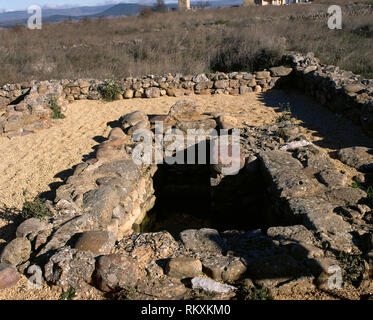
x: 12, y: 219
x: 335, y: 131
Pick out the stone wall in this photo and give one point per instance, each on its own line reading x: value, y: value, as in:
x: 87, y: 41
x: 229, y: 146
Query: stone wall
x: 25, y: 107
x: 342, y: 92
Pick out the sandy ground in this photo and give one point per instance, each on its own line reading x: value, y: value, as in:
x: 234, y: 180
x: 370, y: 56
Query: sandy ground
x: 38, y: 162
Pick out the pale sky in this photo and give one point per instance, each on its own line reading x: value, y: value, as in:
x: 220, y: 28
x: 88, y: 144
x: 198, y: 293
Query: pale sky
x: 23, y: 4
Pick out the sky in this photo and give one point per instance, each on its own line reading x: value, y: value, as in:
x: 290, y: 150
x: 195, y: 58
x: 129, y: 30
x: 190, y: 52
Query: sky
x: 23, y: 4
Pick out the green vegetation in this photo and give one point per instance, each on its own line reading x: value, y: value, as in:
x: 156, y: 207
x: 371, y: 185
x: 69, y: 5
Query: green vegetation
x: 127, y: 293
x: 56, y: 109
x: 69, y: 294
x: 110, y: 90
x: 286, y: 114
x: 353, y: 267
x: 35, y: 209
x: 368, y: 189
x: 253, y: 293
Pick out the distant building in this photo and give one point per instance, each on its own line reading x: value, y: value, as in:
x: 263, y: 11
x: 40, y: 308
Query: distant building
x: 184, y: 5
x: 272, y: 2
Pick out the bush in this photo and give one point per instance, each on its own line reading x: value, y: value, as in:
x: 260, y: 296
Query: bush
x: 146, y: 12
x: 56, y: 110
x: 243, y: 55
x: 353, y: 267
x: 110, y: 90
x: 35, y: 209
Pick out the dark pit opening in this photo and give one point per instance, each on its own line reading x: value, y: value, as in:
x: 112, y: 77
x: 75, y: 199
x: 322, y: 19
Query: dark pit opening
x: 194, y: 196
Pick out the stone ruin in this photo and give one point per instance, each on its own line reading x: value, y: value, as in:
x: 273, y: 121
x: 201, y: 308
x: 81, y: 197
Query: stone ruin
x: 24, y: 107
x: 183, y: 5
x: 182, y: 231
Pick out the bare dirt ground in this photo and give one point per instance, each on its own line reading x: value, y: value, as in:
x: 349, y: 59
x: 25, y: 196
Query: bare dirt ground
x: 38, y: 162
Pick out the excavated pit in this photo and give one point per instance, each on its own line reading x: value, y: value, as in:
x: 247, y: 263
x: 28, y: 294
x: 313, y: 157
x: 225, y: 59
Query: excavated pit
x: 194, y: 196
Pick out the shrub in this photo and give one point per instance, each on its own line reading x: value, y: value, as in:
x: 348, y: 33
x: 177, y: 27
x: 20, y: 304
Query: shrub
x: 56, y: 110
x: 252, y: 293
x: 146, y: 12
x: 110, y: 90
x: 353, y: 267
x: 35, y: 209
x: 68, y: 295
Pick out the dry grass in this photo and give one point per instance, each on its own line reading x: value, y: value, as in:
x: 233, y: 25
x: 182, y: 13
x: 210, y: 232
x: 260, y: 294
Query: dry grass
x: 224, y: 39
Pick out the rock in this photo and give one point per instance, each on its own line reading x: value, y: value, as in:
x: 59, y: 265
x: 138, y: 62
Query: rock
x: 202, y: 241
x: 280, y: 71
x: 3, y: 102
x: 310, y: 69
x: 360, y: 158
x: 274, y: 269
x: 211, y: 285
x: 354, y: 87
x: 262, y: 75
x: 14, y: 122
x: 117, y: 96
x: 228, y: 269
x: 199, y: 78
x: 115, y: 272
x: 161, y: 289
x: 174, y: 92
x: 296, y: 233
x: 9, y: 276
x: 314, y: 158
x: 116, y: 133
x: 133, y: 118
x: 332, y: 178
x: 206, y: 125
x: 30, y: 227
x: 245, y: 89
x: 70, y: 268
x: 185, y: 110
x: 258, y: 89
x: 67, y: 230
x: 203, y: 86
x: 184, y: 267
x: 16, y: 252
x: 126, y: 170
x: 295, y: 145
x: 142, y: 125
x: 153, y: 246
x: 128, y: 94
x: 112, y: 149
x: 317, y: 214
x: 285, y: 173
x: 100, y: 203
x: 152, y: 92
x: 346, y: 196
x: 221, y: 84
x: 98, y: 242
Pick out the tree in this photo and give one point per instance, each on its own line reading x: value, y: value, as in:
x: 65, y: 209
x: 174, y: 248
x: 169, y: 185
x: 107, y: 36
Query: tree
x: 160, y: 6
x: 203, y: 4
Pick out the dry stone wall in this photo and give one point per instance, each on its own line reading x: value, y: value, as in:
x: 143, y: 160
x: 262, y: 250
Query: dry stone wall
x: 25, y: 107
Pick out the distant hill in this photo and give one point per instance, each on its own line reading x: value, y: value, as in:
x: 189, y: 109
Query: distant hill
x: 11, y: 19
x: 78, y: 11
x: 122, y: 9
